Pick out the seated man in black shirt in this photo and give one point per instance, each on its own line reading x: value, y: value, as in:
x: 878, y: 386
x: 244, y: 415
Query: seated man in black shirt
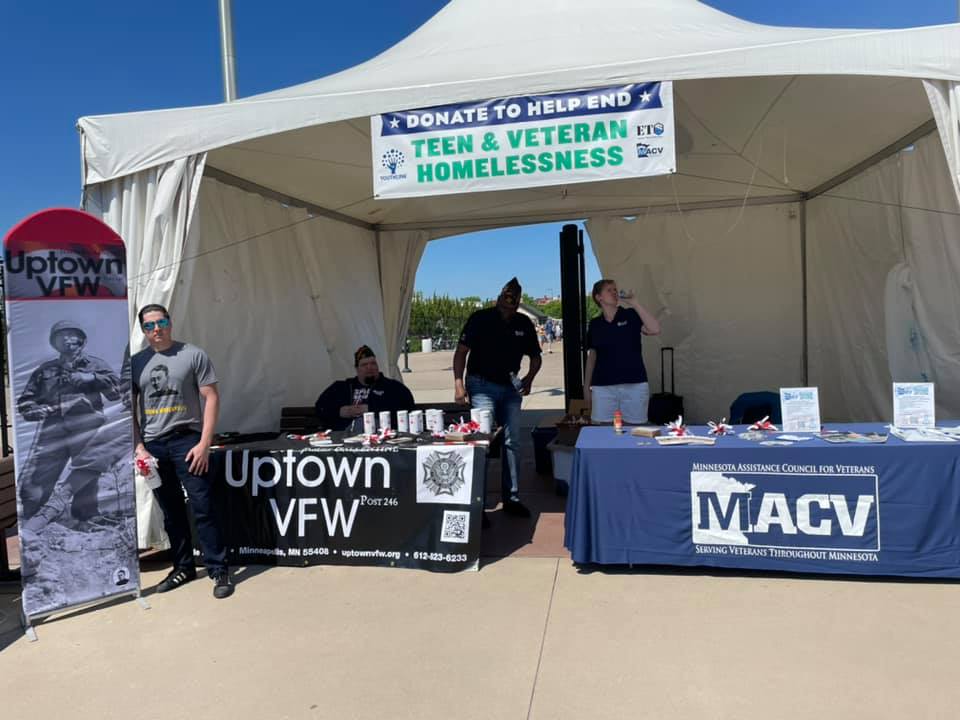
x: 369, y: 391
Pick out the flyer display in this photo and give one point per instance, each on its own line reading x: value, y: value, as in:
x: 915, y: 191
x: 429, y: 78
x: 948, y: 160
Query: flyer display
x: 800, y: 409
x: 531, y: 141
x: 913, y: 405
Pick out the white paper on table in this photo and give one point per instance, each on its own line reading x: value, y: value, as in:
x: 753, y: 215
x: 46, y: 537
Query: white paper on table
x: 913, y: 405
x: 800, y: 409
x: 921, y: 434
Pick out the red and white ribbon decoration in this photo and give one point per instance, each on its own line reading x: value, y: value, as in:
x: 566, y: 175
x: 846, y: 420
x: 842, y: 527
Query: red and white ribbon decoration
x: 764, y: 425
x: 467, y: 428
x: 677, y: 428
x: 319, y: 435
x: 378, y: 438
x: 720, y: 428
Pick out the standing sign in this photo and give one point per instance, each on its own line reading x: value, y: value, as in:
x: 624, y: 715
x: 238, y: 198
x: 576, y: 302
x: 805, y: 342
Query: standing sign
x: 913, y: 405
x: 66, y: 302
x: 531, y: 141
x: 800, y: 409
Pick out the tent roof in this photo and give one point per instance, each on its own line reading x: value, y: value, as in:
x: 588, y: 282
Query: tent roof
x: 794, y: 106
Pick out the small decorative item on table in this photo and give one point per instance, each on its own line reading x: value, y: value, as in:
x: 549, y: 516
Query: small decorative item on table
x: 763, y: 425
x: 720, y: 428
x: 677, y: 428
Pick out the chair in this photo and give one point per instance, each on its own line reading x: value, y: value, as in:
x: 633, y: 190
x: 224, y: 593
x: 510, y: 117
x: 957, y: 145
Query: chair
x: 752, y: 406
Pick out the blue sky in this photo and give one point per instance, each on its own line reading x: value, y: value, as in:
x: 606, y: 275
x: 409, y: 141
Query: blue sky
x: 60, y: 60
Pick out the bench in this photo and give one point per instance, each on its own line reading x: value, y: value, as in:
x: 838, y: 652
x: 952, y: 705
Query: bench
x: 8, y: 513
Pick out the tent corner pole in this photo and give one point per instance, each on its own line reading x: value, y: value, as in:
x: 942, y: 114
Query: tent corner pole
x: 805, y: 360
x: 227, y: 56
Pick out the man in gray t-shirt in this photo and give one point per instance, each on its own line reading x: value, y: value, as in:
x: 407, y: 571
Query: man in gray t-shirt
x: 177, y: 402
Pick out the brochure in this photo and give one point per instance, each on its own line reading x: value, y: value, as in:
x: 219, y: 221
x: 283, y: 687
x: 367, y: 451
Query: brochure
x: 800, y: 408
x: 913, y: 405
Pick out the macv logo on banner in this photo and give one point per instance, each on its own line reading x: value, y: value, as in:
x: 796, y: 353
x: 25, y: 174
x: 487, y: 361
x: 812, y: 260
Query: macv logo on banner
x: 786, y: 510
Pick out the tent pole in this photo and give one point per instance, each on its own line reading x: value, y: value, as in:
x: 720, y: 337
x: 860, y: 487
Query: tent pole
x: 226, y: 52
x: 805, y: 365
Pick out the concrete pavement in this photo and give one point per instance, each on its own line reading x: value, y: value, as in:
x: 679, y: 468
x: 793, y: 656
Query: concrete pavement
x: 528, y: 636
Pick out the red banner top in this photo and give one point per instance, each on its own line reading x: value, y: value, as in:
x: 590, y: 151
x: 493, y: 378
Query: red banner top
x: 64, y: 253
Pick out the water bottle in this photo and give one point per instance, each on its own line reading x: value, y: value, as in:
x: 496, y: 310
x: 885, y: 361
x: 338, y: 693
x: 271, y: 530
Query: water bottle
x: 516, y: 382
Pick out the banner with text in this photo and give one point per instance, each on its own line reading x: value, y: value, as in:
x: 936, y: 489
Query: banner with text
x: 412, y: 507
x: 532, y: 141
x: 66, y: 294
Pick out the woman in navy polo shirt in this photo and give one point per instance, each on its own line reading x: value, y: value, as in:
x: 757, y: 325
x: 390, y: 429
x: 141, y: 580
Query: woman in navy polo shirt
x: 616, y: 378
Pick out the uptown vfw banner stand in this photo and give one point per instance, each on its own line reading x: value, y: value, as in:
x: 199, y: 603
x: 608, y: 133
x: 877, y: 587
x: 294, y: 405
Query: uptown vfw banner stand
x: 66, y: 302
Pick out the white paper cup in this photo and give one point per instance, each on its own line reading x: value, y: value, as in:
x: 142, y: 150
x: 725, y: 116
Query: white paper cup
x: 369, y: 423
x: 384, y: 420
x: 403, y: 421
x: 486, y: 421
x: 416, y: 421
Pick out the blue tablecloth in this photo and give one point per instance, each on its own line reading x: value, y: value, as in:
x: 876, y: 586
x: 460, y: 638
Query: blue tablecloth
x: 881, y: 509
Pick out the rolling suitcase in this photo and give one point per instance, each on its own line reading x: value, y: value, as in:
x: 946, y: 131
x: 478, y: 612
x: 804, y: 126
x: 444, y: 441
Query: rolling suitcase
x: 665, y: 406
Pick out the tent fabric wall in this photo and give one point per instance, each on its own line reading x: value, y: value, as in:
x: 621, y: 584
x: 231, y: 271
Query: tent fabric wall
x: 280, y: 299
x: 883, y: 270
x: 896, y: 223
x: 152, y: 211
x: 945, y: 100
x: 726, y: 288
x: 399, y: 256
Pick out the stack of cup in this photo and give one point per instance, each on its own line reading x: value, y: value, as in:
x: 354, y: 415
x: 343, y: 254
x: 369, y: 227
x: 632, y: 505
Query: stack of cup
x: 403, y: 421
x: 434, y: 420
x: 485, y: 420
x: 416, y: 421
x: 369, y: 423
x: 384, y: 420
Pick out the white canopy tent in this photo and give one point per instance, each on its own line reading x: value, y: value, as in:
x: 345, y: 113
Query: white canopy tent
x: 255, y: 222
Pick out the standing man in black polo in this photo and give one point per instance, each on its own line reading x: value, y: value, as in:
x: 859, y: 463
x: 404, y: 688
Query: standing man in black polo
x: 175, y: 387
x: 492, y: 344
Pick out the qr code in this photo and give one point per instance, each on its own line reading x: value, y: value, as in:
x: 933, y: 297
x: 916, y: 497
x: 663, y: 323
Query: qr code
x: 456, y: 526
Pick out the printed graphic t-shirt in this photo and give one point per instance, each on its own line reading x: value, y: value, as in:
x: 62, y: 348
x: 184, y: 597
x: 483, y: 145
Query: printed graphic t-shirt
x: 168, y: 388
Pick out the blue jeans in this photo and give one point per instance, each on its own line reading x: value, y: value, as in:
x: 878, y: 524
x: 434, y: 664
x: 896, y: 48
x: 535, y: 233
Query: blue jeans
x: 170, y: 452
x: 503, y: 402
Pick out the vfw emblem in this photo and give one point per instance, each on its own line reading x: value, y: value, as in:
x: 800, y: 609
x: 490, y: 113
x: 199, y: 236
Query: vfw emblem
x: 444, y: 476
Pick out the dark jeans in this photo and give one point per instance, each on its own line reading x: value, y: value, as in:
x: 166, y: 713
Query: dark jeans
x: 170, y: 452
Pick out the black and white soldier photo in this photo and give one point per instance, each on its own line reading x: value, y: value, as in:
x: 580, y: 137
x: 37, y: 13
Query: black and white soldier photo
x: 72, y: 401
x: 65, y: 396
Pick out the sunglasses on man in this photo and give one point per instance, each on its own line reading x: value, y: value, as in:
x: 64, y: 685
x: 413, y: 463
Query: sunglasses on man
x: 152, y: 325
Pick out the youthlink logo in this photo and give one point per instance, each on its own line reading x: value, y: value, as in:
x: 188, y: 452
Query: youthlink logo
x: 391, y: 161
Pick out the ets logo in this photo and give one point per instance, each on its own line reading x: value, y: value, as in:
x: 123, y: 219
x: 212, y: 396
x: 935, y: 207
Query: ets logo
x: 785, y: 510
